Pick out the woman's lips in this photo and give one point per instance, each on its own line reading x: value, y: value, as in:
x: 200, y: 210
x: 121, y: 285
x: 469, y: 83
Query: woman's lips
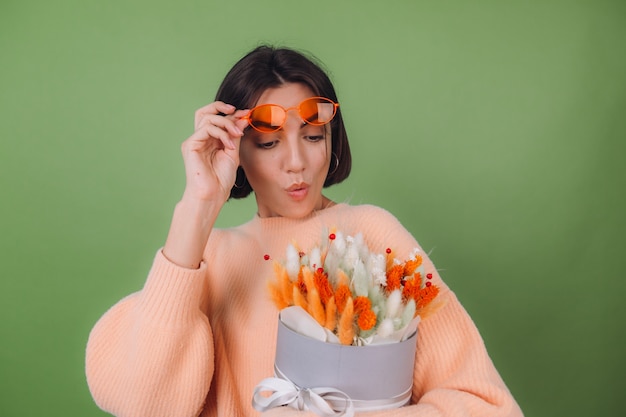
x: 298, y: 191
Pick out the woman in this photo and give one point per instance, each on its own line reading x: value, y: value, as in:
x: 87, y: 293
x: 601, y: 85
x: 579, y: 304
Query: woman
x: 202, y: 332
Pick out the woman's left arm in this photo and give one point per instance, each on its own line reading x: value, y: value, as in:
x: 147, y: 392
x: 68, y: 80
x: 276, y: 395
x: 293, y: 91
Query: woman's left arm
x: 453, y: 374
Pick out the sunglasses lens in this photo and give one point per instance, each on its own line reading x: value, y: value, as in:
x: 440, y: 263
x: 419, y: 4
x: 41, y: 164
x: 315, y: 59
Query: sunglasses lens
x: 270, y: 117
x: 267, y: 118
x: 317, y: 110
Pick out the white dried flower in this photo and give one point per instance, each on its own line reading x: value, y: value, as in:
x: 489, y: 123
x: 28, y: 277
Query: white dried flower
x: 339, y: 245
x: 394, y: 302
x: 315, y: 258
x: 386, y: 328
x: 360, y: 279
x: 351, y: 258
x: 408, y: 313
x: 377, y: 266
x: 292, y: 262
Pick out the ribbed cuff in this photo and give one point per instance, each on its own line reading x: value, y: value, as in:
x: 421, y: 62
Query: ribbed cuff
x: 172, y: 294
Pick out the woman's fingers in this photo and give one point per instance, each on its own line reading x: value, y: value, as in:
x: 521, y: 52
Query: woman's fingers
x: 207, y: 136
x: 225, y: 123
x: 216, y: 108
x: 240, y: 120
x: 223, y: 116
x: 215, y: 130
x: 211, y: 153
x: 217, y: 127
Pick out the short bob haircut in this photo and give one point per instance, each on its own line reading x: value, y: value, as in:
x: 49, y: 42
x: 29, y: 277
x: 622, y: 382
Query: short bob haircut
x: 268, y: 67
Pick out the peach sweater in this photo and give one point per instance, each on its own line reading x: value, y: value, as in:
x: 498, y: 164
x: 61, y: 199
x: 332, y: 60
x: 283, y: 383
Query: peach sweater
x: 196, y: 342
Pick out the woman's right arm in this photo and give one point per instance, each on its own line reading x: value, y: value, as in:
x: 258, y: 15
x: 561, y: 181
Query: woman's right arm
x: 211, y: 157
x: 152, y: 353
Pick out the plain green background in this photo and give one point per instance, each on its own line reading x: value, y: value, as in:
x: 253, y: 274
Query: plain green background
x: 494, y: 130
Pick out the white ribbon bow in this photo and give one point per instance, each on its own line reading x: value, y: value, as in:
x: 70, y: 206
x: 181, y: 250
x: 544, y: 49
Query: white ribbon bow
x: 325, y: 402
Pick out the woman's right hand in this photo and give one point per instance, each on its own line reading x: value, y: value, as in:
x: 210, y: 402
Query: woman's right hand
x: 211, y: 153
x: 211, y: 156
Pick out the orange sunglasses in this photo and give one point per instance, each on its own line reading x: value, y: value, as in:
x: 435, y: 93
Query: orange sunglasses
x: 315, y: 111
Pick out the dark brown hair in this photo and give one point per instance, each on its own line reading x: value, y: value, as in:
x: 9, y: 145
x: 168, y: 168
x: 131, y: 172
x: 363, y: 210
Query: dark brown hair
x: 268, y: 67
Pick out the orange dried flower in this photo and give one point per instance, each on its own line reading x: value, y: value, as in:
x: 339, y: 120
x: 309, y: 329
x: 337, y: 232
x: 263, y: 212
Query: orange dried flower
x: 366, y: 320
x: 331, y: 314
x: 299, y: 299
x: 346, y: 324
x: 300, y: 282
x: 342, y: 292
x: 323, y: 285
x: 316, y: 309
x: 418, y: 278
x: 341, y: 297
x: 361, y: 304
x: 394, y: 278
x: 277, y: 295
x: 342, y: 278
x: 426, y: 295
x: 284, y: 283
x: 411, y: 265
x: 412, y: 287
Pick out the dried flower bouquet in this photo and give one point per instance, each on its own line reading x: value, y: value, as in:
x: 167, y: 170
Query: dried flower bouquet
x: 359, y: 297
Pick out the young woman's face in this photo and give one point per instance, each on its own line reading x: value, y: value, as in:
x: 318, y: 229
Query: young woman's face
x: 287, y: 168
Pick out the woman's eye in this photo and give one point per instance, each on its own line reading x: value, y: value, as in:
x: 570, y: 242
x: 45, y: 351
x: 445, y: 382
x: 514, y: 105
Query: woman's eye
x: 314, y: 138
x: 266, y: 145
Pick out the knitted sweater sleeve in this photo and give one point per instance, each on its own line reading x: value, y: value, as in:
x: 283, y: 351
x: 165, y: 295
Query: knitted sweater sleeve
x: 152, y: 343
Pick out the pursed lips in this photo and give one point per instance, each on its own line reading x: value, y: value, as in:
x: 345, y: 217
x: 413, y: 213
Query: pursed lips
x: 298, y: 191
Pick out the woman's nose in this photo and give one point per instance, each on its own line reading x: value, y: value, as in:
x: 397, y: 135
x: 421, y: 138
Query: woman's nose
x: 295, y: 158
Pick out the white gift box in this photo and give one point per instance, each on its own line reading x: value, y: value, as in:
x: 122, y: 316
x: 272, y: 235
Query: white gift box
x: 345, y: 378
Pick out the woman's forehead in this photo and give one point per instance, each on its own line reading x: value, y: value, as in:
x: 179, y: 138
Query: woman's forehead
x: 286, y: 95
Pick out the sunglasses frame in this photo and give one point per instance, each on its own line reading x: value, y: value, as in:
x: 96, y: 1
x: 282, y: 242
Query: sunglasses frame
x: 298, y: 108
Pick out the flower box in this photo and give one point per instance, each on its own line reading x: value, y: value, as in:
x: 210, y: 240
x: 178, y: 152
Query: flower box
x: 374, y: 377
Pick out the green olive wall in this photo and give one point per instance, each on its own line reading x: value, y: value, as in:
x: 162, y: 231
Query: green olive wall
x: 493, y: 130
